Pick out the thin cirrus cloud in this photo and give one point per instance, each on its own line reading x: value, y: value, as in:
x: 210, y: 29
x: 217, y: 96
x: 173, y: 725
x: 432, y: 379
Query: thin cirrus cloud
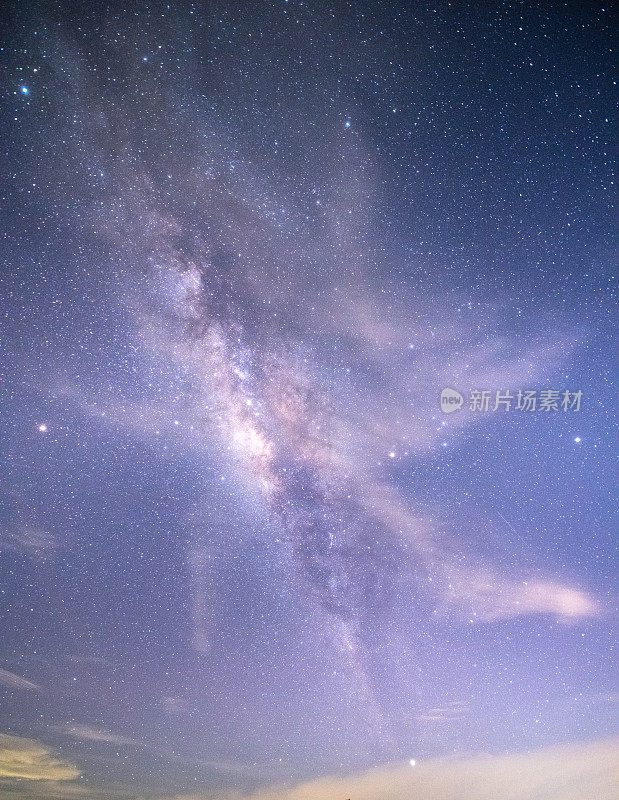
x: 32, y: 760
x: 90, y: 734
x: 570, y: 772
x: 565, y: 772
x: 102, y: 736
x: 14, y: 681
x: 487, y: 596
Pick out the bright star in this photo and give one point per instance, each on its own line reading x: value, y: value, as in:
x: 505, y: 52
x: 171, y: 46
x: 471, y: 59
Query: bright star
x: 347, y: 124
x: 24, y: 90
x: 577, y: 439
x: 42, y: 428
x: 412, y: 762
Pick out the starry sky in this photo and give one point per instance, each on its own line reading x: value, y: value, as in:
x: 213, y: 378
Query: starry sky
x: 245, y: 553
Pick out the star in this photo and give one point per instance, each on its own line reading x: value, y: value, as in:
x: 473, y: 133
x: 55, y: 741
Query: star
x: 233, y: 337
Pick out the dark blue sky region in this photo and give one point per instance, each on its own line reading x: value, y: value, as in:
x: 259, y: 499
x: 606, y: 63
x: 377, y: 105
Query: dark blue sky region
x: 244, y: 552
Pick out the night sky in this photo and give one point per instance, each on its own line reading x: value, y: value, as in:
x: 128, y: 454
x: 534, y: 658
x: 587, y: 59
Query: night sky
x: 244, y: 551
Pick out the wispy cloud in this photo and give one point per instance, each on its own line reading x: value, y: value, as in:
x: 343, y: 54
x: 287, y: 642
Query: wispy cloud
x: 92, y: 734
x: 486, y: 596
x: 27, y: 758
x: 570, y: 772
x: 21, y: 531
x: 87, y: 733
x: 14, y: 681
x: 566, y: 772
